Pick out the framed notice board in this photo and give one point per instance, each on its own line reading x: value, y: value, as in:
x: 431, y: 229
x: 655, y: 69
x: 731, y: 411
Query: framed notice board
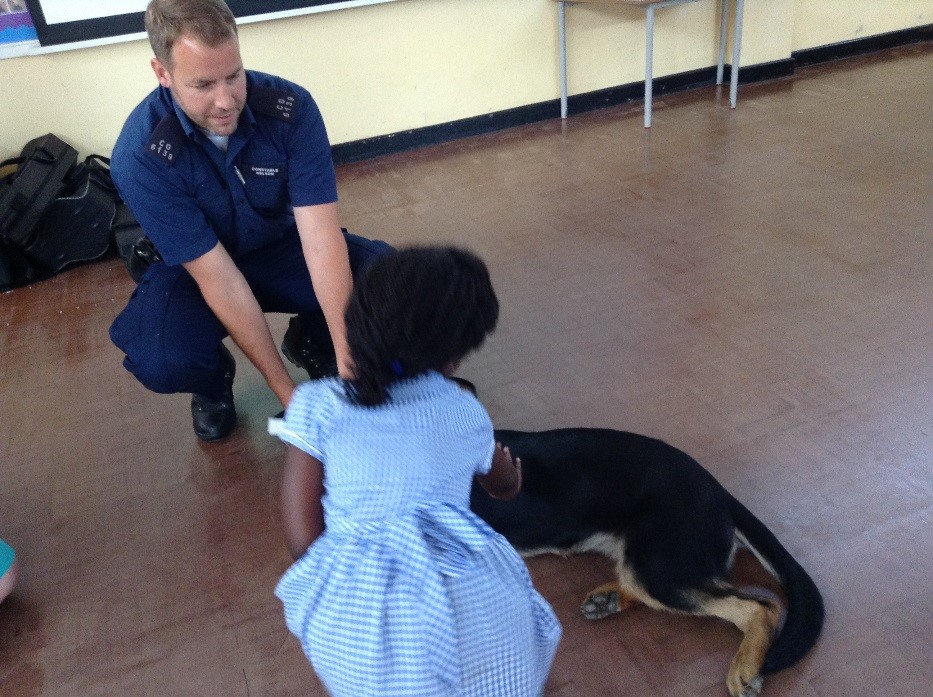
x: 67, y: 21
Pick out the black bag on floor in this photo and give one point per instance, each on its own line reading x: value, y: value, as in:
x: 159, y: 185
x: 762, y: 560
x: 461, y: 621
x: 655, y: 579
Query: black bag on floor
x: 30, y: 184
x: 15, y: 269
x: 54, y: 211
x: 76, y: 226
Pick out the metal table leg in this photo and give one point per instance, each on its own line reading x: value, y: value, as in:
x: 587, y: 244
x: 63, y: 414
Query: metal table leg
x: 562, y: 40
x: 736, y: 49
x: 649, y: 59
x: 723, y: 29
x: 649, y: 50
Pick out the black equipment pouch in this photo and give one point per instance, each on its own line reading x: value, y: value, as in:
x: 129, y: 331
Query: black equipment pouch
x: 144, y: 255
x: 135, y: 249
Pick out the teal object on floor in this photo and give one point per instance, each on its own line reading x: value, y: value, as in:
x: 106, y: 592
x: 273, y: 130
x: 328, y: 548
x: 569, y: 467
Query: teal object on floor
x: 7, y: 556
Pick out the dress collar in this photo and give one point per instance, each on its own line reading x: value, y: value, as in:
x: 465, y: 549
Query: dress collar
x: 419, y: 386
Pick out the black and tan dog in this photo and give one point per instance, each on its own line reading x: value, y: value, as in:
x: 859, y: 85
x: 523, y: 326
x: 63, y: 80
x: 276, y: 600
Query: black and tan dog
x: 671, y: 530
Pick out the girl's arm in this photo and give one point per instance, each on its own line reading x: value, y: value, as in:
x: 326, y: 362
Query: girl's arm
x: 302, y: 489
x: 504, y: 479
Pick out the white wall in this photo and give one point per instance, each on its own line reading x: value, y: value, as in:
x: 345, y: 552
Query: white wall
x: 387, y: 68
x: 833, y: 21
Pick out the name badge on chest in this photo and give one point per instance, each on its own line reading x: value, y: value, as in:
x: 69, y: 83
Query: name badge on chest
x: 266, y: 171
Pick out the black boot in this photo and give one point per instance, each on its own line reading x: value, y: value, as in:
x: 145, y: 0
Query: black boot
x: 213, y: 419
x: 307, y: 344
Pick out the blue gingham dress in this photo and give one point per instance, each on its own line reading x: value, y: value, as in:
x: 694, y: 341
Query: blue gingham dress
x: 407, y: 593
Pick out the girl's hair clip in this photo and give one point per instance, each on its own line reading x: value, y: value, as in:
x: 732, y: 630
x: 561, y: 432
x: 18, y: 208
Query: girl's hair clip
x: 397, y: 369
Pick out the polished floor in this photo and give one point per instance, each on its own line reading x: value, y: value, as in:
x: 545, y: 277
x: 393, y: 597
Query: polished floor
x: 754, y: 286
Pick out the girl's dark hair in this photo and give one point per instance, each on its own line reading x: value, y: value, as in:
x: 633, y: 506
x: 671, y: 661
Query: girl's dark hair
x: 416, y: 310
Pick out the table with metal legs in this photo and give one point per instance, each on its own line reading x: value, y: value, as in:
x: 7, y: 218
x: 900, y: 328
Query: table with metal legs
x: 651, y: 6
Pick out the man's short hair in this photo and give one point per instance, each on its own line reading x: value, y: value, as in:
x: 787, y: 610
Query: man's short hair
x: 209, y: 21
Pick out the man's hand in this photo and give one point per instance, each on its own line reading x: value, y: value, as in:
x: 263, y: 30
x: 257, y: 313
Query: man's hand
x: 325, y: 251
x: 345, y: 367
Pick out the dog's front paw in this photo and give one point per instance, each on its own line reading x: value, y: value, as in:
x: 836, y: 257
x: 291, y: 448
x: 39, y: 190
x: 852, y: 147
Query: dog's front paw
x: 600, y: 604
x: 742, y: 688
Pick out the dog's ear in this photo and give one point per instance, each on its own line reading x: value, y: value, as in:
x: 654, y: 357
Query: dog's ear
x: 465, y: 384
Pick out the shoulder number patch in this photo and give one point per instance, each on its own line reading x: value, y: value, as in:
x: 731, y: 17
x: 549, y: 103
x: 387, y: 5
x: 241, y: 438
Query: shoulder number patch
x: 271, y: 101
x: 167, y: 139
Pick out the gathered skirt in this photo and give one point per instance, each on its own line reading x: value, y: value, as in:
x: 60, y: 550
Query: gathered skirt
x: 433, y: 605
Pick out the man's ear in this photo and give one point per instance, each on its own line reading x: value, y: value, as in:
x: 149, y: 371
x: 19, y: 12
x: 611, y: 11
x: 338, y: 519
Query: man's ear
x: 161, y: 72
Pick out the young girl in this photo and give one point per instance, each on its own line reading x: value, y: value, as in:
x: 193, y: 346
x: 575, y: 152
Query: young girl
x: 399, y: 589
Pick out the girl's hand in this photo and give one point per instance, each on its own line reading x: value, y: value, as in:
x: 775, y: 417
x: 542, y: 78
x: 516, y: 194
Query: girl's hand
x: 503, y: 454
x: 504, y: 479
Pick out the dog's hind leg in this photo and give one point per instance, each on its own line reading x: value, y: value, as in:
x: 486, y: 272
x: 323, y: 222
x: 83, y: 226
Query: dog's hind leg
x: 759, y: 620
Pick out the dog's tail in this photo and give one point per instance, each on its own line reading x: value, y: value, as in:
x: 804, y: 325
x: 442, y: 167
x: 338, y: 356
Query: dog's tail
x: 804, y: 603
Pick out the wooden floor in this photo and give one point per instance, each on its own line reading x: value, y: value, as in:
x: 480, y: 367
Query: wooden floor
x: 754, y: 286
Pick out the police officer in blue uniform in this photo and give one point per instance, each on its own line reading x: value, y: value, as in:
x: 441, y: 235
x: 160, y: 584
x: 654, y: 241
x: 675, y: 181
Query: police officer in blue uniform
x: 229, y: 173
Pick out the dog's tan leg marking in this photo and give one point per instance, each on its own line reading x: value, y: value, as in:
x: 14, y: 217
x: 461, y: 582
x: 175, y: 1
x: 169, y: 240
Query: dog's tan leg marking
x: 759, y: 621
x: 611, y: 598
x: 631, y: 587
x: 607, y: 599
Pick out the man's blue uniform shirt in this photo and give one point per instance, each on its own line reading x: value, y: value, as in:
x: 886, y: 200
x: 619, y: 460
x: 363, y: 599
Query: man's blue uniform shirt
x: 187, y: 194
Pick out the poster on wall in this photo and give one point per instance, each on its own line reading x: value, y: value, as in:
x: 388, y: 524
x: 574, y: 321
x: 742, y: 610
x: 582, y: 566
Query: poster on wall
x: 67, y: 21
x: 15, y: 22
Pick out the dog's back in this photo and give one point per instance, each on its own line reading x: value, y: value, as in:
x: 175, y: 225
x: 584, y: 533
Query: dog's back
x: 578, y: 482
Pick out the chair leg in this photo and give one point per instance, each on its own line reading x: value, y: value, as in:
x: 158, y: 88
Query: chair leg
x: 649, y: 59
x: 562, y: 41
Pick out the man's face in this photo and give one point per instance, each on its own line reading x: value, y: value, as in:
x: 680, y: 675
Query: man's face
x: 208, y: 82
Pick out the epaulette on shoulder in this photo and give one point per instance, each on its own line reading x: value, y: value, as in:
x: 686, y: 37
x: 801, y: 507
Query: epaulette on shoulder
x: 167, y: 139
x: 272, y: 101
